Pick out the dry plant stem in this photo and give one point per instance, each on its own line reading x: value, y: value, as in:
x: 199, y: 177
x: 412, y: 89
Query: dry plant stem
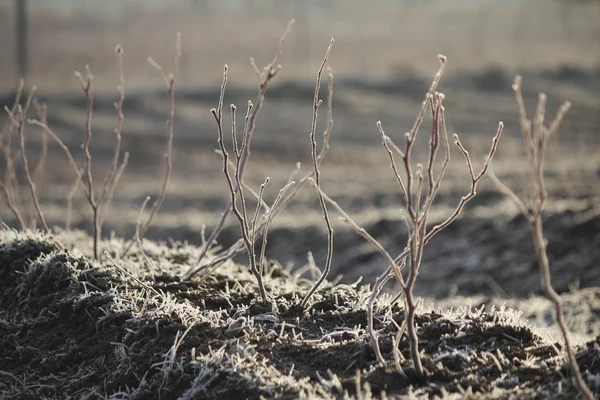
x: 79, y: 182
x: 10, y: 175
x: 267, y: 225
x: 12, y: 206
x: 398, y: 357
x: 417, y: 216
x: 18, y: 121
x: 247, y: 188
x: 258, y: 205
x: 419, y: 198
x: 233, y: 189
x: 169, y: 81
x: 363, y: 232
x: 116, y: 178
x: 9, y: 187
x: 79, y: 173
x: 535, y: 144
x: 265, y: 77
x: 38, y: 173
x: 238, y: 246
x: 32, y: 186
x: 317, y: 179
x: 260, y: 201
x: 87, y: 87
x: 237, y: 191
x: 137, y: 230
x: 70, y: 196
x: 99, y: 206
x: 111, y: 176
x: 475, y: 179
x: 124, y: 271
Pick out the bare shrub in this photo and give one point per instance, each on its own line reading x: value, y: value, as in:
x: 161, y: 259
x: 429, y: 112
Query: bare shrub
x: 265, y: 77
x: 317, y: 158
x: 18, y: 119
x: 284, y: 197
x: 536, y: 136
x: 236, y: 188
x: 420, y: 187
x: 9, y: 185
x: 169, y: 81
x: 100, y: 204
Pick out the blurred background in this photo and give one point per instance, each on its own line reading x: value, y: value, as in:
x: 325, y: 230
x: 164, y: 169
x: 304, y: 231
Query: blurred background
x: 380, y: 39
x: 384, y: 57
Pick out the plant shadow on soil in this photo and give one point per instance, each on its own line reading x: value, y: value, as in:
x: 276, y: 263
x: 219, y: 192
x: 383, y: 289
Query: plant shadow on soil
x: 75, y: 328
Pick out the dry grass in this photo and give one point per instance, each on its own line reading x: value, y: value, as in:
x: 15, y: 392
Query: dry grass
x: 163, y: 336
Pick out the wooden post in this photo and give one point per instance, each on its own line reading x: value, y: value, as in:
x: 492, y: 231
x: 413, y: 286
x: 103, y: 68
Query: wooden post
x: 21, y: 48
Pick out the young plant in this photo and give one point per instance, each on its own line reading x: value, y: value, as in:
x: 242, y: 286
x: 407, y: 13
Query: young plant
x: 238, y: 198
x: 316, y: 159
x: 17, y: 117
x: 419, y: 189
x: 100, y: 204
x: 169, y: 81
x: 536, y: 140
x: 265, y: 77
x: 285, y: 197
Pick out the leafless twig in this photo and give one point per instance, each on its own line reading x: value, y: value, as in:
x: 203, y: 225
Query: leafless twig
x: 10, y: 187
x: 264, y: 77
x: 535, y: 144
x: 169, y: 81
x: 317, y: 174
x: 87, y: 86
x: 237, y: 195
x: 84, y: 176
x: 38, y: 173
x: 290, y: 194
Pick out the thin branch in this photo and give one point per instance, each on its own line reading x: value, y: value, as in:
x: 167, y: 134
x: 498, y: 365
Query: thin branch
x: 65, y: 148
x: 317, y: 177
x: 535, y: 144
x: 70, y: 196
x: 112, y: 187
x: 474, y: 181
x: 18, y: 121
x: 267, y: 225
x: 13, y: 207
x: 138, y: 239
x: 257, y: 211
x: 362, y: 232
x: 111, y: 176
x: 129, y: 274
x: 38, y: 173
x: 21, y: 129
x: 170, y: 81
x: 235, y: 194
x: 264, y: 77
x: 505, y: 190
x: 87, y: 87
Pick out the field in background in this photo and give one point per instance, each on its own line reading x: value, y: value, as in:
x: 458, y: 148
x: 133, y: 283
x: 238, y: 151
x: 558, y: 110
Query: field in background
x: 383, y: 59
x: 375, y: 40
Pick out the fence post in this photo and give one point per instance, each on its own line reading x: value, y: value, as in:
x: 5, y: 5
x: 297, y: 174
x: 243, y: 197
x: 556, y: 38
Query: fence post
x: 21, y: 45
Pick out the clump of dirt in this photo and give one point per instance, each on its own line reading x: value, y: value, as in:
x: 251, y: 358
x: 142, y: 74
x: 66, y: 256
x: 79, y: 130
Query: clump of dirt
x: 74, y: 328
